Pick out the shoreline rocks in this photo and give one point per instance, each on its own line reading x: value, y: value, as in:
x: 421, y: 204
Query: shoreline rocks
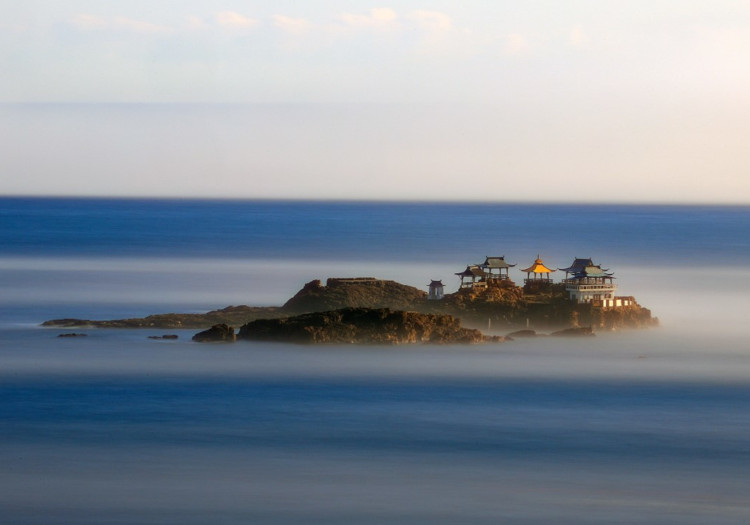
x: 580, y: 331
x: 232, y: 315
x: 375, y: 326
x: 218, y: 333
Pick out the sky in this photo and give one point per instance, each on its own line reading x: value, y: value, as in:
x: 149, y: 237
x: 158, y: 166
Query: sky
x: 575, y: 101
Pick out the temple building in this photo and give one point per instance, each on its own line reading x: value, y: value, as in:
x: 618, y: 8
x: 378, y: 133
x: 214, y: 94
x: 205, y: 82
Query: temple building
x: 495, y: 268
x: 436, y: 290
x: 473, y: 277
x: 587, y: 282
x: 541, y: 274
x: 577, y: 266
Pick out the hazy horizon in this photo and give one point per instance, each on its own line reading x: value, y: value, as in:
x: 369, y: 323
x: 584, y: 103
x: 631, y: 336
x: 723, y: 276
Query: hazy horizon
x: 630, y: 102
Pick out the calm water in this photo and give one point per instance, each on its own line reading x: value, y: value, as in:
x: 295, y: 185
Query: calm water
x: 633, y: 427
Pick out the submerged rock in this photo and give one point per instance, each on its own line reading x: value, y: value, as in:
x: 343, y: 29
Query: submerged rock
x: 217, y: 333
x: 583, y: 331
x: 72, y: 335
x: 363, y: 326
x: 166, y: 336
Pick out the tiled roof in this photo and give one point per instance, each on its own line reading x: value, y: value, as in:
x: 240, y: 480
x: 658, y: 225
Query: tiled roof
x: 470, y: 271
x: 497, y: 262
x: 577, y: 266
x: 538, y: 267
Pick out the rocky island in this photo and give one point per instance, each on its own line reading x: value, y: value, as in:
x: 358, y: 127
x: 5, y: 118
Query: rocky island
x: 376, y: 311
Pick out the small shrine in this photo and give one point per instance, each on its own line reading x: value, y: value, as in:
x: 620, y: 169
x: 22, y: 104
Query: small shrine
x: 472, y: 277
x: 436, y: 290
x: 496, y: 268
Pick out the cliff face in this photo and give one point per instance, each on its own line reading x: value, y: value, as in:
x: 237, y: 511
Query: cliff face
x: 632, y: 316
x: 363, y: 292
x: 363, y: 326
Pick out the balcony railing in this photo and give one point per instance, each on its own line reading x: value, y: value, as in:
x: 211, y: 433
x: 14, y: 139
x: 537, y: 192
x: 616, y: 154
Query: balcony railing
x: 589, y: 287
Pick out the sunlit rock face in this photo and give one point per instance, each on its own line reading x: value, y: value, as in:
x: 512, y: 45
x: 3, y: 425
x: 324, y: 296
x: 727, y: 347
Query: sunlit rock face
x: 363, y: 292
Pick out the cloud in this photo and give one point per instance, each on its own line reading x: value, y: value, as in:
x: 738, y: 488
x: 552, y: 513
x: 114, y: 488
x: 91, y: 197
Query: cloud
x: 436, y: 36
x: 293, y: 26
x: 194, y: 22
x: 516, y: 43
x: 577, y: 37
x: 379, y: 18
x: 433, y: 21
x: 233, y: 20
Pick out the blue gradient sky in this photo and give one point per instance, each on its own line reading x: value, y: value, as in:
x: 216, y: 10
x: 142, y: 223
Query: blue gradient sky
x: 633, y: 100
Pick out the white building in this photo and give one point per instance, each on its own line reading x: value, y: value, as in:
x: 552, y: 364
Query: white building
x: 587, y: 282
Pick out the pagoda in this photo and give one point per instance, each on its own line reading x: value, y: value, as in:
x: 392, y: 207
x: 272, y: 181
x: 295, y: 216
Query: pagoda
x: 540, y: 271
x: 473, y: 277
x: 587, y: 282
x: 491, y: 264
x: 577, y: 266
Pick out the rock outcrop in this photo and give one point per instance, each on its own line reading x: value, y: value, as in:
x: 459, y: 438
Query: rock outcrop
x: 363, y: 326
x: 361, y: 292
x: 219, y: 333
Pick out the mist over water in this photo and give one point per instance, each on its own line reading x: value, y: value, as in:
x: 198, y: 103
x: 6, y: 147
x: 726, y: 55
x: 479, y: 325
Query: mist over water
x: 648, y: 426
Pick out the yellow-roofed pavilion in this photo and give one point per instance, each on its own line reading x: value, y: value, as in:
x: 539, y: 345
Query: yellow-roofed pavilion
x: 539, y: 270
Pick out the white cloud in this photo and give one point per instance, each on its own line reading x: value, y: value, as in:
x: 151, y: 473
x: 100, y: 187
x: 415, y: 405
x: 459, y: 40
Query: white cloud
x: 378, y: 18
x: 578, y: 38
x: 516, y: 43
x: 438, y: 37
x: 293, y: 26
x: 433, y: 21
x: 194, y: 22
x: 235, y: 20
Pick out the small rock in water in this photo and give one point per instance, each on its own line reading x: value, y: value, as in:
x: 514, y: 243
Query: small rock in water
x: 583, y: 331
x: 72, y: 335
x: 165, y: 336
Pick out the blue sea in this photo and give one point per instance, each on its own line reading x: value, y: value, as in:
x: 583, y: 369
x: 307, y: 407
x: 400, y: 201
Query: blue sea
x: 645, y: 426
